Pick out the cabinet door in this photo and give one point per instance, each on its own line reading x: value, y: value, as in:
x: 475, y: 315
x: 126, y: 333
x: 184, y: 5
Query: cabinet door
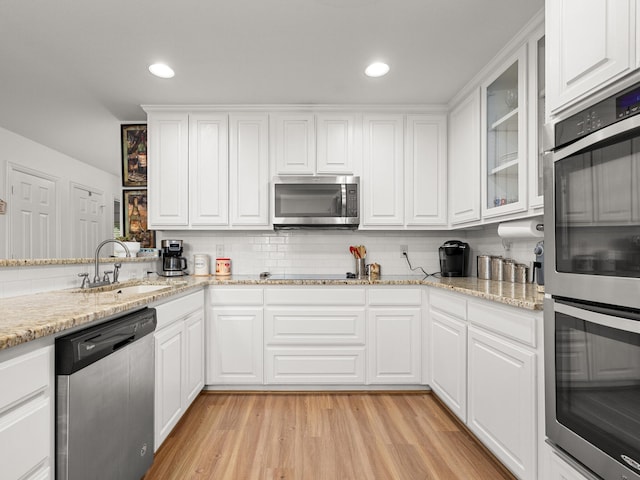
x: 464, y: 160
x: 293, y: 143
x: 425, y: 161
x: 336, y: 143
x: 589, y: 46
x: 194, y: 356
x: 382, y: 185
x: 235, y: 343
x: 249, y: 170
x: 169, y: 380
x: 168, y: 171
x: 394, y: 353
x: 208, y: 169
x: 504, y: 139
x: 502, y: 400
x: 27, y: 415
x: 448, y: 355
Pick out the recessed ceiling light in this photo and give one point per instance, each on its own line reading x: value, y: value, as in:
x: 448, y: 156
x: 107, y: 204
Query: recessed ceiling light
x: 161, y: 70
x: 377, y: 69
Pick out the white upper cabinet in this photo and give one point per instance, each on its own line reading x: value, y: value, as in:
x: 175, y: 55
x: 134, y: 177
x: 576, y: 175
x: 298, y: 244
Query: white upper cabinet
x: 537, y: 102
x: 590, y: 44
x: 310, y: 144
x: 208, y: 169
x: 168, y: 172
x: 464, y: 160
x: 504, y: 140
x: 336, y: 143
x: 249, y: 170
x: 293, y: 143
x: 404, y: 182
x: 382, y: 185
x: 425, y: 158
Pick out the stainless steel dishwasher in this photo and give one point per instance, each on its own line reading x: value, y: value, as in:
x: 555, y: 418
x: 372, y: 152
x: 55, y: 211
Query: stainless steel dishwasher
x: 104, y: 400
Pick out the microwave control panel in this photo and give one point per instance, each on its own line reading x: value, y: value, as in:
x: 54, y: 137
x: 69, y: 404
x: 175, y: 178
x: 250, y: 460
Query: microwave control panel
x: 352, y: 200
x: 607, y: 112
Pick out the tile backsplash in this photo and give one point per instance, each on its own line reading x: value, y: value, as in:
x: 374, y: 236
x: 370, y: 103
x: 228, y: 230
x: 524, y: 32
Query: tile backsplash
x: 297, y: 251
x: 303, y: 251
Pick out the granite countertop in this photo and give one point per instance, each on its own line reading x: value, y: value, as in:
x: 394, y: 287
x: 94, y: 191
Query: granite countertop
x: 29, y: 317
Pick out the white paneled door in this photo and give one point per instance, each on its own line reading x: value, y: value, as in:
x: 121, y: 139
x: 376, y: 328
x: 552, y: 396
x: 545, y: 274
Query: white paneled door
x: 88, y: 226
x: 33, y: 209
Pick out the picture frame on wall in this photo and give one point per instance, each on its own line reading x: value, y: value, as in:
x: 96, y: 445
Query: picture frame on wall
x: 134, y: 155
x: 135, y: 218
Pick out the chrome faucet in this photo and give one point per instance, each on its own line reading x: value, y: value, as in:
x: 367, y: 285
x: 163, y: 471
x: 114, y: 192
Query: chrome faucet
x: 96, y: 278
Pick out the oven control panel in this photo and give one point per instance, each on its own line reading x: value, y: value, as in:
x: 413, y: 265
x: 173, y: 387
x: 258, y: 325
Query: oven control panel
x: 602, y: 114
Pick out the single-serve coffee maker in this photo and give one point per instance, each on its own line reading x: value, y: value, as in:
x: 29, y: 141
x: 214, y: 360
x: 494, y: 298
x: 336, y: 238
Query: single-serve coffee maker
x: 173, y: 263
x: 454, y: 259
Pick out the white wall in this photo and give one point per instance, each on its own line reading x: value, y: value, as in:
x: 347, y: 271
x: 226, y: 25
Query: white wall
x: 26, y: 153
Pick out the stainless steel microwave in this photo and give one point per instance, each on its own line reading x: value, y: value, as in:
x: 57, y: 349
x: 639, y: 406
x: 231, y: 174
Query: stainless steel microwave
x: 311, y: 202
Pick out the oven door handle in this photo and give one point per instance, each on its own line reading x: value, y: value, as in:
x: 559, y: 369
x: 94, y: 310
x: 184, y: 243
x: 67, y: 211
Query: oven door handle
x: 618, y: 319
x: 606, y: 133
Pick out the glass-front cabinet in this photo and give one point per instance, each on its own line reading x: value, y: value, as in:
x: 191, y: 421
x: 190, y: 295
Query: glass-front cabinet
x: 504, y: 155
x: 537, y: 100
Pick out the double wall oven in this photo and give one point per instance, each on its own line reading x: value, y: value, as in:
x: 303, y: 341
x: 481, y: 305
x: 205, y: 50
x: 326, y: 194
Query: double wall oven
x: 592, y: 306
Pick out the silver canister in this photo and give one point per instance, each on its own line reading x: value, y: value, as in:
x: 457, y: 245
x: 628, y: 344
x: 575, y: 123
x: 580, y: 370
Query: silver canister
x: 484, y: 267
x: 509, y: 270
x: 496, y: 268
x: 522, y: 273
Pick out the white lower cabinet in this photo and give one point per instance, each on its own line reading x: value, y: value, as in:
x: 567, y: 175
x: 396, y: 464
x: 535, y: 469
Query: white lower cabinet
x: 394, y: 339
x: 315, y: 336
x: 307, y: 336
x: 394, y: 346
x: 179, y: 352
x: 486, y: 367
x: 448, y: 350
x: 27, y: 415
x: 502, y: 400
x: 235, y: 336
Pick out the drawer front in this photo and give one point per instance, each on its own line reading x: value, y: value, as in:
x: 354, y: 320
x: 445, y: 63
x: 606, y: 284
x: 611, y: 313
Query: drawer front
x: 235, y: 296
x: 395, y: 296
x: 178, y: 308
x: 448, y: 303
x: 315, y: 365
x: 24, y: 376
x: 315, y: 296
x: 510, y: 322
x: 315, y: 326
x: 24, y: 436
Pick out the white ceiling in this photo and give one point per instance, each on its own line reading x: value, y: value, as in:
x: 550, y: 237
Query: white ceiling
x: 72, y: 71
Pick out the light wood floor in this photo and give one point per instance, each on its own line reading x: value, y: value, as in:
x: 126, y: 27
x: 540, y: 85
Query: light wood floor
x: 321, y: 436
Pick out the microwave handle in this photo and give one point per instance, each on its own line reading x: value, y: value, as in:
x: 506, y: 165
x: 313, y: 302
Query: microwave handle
x: 343, y: 190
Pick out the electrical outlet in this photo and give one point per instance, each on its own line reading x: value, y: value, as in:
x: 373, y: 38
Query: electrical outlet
x: 403, y: 250
x: 220, y: 251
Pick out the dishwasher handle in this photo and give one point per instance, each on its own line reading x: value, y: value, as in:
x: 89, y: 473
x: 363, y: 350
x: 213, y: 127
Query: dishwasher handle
x: 81, y: 349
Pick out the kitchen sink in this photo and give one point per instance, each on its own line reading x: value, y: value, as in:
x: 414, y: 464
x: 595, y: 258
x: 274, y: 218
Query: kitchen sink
x: 138, y: 289
x: 118, y: 289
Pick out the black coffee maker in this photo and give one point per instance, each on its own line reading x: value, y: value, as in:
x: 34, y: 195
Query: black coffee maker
x: 173, y: 263
x: 454, y: 259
